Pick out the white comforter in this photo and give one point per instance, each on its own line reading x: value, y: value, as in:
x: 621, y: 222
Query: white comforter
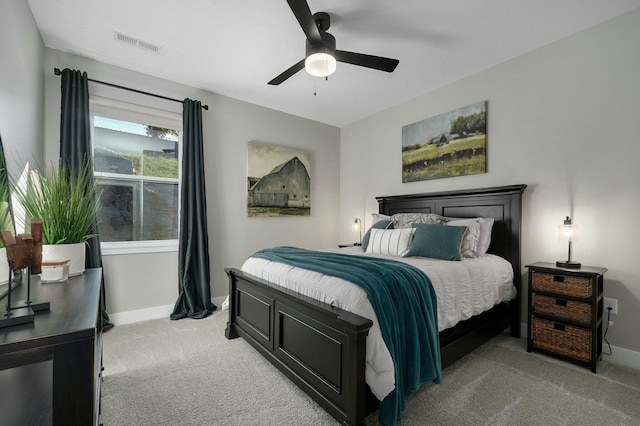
x: 463, y: 289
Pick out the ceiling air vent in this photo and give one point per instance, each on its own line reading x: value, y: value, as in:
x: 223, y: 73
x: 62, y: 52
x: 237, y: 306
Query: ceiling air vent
x: 135, y: 42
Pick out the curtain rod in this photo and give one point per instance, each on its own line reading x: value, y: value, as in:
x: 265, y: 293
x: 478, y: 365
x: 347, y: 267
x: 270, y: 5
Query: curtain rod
x: 58, y: 72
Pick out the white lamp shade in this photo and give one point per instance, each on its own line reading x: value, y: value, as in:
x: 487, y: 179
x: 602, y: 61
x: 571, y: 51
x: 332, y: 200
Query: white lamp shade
x: 320, y: 64
x: 568, y: 233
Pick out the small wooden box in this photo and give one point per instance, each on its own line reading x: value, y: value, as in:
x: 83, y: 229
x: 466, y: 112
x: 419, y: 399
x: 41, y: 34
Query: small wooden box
x: 54, y: 271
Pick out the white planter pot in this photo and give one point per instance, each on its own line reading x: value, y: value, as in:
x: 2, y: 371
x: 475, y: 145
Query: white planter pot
x: 74, y: 252
x: 4, y: 266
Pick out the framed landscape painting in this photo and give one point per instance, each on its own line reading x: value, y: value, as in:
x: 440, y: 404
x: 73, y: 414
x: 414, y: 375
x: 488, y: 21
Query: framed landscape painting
x: 278, y: 181
x: 447, y: 145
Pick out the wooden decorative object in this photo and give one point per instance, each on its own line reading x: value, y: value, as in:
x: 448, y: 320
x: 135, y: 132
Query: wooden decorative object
x: 10, y: 243
x: 14, y: 315
x: 24, y: 251
x: 23, y: 248
x: 36, y: 253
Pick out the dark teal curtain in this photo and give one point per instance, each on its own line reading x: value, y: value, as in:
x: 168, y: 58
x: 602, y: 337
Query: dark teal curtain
x: 75, y: 152
x: 194, y: 298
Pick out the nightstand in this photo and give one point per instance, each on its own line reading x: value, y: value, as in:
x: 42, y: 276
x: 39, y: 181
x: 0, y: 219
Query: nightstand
x: 564, y: 312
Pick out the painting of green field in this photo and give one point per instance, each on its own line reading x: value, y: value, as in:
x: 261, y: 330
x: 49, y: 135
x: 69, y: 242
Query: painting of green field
x: 458, y: 158
x: 449, y: 145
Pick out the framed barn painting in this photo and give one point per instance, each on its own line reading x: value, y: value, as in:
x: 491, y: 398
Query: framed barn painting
x: 278, y: 181
x: 447, y: 145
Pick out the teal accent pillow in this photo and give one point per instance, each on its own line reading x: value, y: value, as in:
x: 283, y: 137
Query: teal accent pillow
x: 437, y: 241
x: 381, y: 224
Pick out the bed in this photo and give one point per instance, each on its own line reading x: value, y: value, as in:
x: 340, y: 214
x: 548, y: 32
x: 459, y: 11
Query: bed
x: 282, y: 324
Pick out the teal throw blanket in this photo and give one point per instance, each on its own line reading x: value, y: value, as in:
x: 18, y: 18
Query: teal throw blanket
x: 406, y: 307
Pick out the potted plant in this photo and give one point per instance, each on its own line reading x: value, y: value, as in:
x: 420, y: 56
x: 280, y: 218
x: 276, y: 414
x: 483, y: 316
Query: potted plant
x: 67, y: 204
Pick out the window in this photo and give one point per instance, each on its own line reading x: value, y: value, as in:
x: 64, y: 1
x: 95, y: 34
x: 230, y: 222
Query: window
x: 136, y: 160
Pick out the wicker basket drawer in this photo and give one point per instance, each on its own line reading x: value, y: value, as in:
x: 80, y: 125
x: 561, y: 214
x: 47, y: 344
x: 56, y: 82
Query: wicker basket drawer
x: 562, y: 309
x: 563, y: 339
x: 562, y: 284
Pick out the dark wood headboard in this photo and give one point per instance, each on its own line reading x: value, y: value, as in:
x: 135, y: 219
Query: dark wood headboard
x: 504, y: 204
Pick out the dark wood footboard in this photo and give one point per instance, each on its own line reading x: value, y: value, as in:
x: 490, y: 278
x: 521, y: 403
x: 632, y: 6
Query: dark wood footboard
x: 322, y: 348
x: 319, y: 347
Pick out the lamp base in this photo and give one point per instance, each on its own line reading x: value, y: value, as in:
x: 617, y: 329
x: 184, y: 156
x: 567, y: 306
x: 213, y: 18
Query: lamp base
x: 568, y: 264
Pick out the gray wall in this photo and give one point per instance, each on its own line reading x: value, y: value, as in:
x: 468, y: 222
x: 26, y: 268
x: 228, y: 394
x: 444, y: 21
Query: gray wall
x: 141, y: 281
x: 21, y: 85
x: 563, y: 120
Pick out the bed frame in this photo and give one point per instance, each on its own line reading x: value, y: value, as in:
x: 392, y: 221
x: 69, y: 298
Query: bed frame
x: 322, y: 348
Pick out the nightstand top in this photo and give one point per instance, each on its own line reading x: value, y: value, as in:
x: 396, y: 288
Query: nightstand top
x: 551, y: 267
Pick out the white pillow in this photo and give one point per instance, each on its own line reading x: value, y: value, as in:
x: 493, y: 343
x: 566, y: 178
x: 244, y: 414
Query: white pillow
x: 392, y: 242
x: 377, y: 217
x: 471, y: 237
x: 485, y: 235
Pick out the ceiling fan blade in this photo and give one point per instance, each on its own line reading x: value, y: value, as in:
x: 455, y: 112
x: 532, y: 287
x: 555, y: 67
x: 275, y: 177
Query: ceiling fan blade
x: 368, y: 61
x: 301, y: 10
x: 288, y: 73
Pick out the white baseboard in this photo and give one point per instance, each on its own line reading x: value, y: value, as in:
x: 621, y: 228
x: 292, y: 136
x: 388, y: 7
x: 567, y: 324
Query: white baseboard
x: 620, y: 356
x: 122, y: 318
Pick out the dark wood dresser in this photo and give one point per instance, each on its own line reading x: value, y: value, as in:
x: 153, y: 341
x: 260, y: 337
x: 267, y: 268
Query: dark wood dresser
x: 50, y: 370
x: 565, y: 312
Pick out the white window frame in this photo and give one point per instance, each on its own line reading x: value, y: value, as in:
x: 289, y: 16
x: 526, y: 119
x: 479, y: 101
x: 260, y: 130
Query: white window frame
x: 111, y: 108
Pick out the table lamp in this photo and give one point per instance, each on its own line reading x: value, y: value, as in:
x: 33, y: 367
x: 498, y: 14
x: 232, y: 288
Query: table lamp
x: 357, y: 224
x: 568, y: 232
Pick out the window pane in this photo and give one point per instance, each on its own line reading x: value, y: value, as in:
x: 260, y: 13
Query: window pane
x: 160, y: 216
x: 117, y: 218
x: 130, y: 148
x: 138, y: 173
x: 137, y: 211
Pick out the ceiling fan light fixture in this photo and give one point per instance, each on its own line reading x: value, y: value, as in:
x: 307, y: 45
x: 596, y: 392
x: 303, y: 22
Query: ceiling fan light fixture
x: 320, y: 59
x: 321, y: 64
x: 320, y: 54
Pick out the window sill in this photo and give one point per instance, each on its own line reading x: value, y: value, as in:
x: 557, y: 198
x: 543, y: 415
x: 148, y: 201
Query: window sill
x: 133, y: 247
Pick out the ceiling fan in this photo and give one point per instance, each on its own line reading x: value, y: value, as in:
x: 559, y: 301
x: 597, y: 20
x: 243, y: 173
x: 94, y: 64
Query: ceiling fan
x: 321, y: 54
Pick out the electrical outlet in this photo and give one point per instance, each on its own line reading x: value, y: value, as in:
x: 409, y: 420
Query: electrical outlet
x: 611, y: 303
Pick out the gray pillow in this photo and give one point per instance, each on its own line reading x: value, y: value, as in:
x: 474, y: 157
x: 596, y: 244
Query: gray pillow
x: 405, y: 220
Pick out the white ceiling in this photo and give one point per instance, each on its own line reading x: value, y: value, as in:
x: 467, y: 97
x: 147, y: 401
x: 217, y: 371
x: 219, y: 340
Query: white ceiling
x: 234, y: 47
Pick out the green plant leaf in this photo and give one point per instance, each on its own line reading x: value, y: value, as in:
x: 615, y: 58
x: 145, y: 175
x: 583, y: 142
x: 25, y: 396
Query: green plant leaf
x: 66, y: 202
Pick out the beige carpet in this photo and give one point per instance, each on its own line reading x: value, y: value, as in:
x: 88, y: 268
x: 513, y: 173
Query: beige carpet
x: 185, y: 372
